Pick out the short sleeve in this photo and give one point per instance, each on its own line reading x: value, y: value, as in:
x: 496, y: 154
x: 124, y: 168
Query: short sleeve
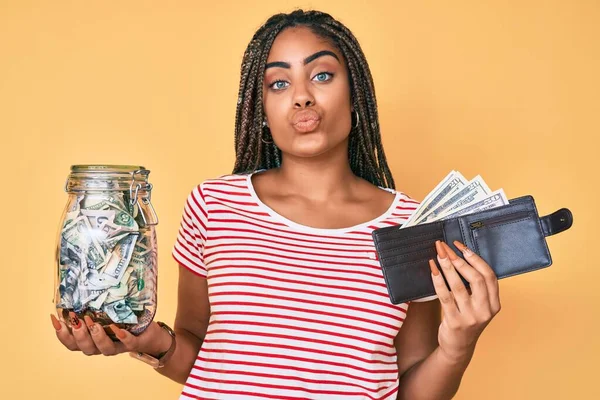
x: 424, y: 299
x: 189, y: 246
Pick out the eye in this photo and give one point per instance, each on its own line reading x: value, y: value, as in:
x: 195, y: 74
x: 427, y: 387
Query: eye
x: 323, y: 76
x: 278, y: 85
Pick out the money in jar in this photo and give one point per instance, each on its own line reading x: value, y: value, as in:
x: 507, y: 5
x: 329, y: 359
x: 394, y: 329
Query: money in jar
x: 106, y: 249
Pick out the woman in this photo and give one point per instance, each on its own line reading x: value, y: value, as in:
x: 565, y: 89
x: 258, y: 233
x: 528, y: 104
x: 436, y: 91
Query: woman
x: 280, y: 291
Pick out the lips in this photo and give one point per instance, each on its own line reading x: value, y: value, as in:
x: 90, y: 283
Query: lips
x: 306, y: 120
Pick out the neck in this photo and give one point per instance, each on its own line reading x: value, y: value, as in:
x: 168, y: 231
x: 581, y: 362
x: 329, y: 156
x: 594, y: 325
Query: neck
x: 321, y: 178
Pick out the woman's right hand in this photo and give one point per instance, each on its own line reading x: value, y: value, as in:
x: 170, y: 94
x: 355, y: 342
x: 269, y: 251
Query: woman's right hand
x: 90, y: 338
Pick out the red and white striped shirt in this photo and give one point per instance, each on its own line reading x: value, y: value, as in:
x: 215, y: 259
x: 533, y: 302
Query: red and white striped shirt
x: 296, y: 312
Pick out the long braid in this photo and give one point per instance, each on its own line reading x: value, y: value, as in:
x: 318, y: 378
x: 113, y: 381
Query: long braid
x: 364, y: 81
x: 365, y: 150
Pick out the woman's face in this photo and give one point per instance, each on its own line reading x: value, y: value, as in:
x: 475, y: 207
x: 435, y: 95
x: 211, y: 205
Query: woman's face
x: 306, y: 94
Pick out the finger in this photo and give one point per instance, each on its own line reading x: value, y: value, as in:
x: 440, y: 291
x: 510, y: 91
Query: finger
x: 486, y: 271
x: 445, y: 296
x: 477, y: 282
x: 129, y: 341
x: 104, y: 344
x: 63, y: 334
x: 82, y: 336
x: 458, y: 288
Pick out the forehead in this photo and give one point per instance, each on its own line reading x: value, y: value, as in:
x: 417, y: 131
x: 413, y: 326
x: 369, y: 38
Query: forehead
x: 296, y: 43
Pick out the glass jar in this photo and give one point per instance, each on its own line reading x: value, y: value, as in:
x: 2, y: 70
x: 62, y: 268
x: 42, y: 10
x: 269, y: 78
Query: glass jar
x: 106, y: 250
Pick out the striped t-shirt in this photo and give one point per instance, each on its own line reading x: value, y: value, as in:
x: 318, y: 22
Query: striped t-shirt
x: 296, y: 312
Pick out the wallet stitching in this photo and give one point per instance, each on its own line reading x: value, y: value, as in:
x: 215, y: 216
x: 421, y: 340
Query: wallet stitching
x: 397, y: 241
x: 405, y: 255
x: 403, y: 264
x: 525, y: 270
x: 410, y: 246
x: 418, y: 297
x: 385, y: 240
x: 539, y: 225
x: 537, y: 215
x: 462, y: 231
x: 384, y: 231
x: 505, y: 223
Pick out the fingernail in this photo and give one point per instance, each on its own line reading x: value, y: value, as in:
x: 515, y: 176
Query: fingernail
x: 90, y: 323
x: 75, y: 322
x: 442, y: 255
x: 119, y: 332
x: 465, y: 250
x: 55, y: 323
x: 451, y: 254
x: 433, y: 268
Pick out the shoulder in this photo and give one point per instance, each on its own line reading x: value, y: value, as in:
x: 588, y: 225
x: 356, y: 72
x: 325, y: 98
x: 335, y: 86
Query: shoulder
x: 403, y: 199
x: 223, y: 189
x: 402, y: 207
x: 224, y: 184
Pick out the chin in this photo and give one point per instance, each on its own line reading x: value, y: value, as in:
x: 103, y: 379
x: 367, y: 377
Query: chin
x: 315, y: 146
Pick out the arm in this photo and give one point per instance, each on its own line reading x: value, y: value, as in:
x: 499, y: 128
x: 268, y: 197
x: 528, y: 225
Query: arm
x: 191, y: 323
x: 420, y: 363
x: 193, y: 308
x: 432, y: 360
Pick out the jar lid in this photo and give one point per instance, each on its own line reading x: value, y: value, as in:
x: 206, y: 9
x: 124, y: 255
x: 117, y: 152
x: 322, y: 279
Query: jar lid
x: 105, y: 168
x: 103, y: 177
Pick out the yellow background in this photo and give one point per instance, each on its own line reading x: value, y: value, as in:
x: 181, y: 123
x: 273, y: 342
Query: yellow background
x: 508, y: 90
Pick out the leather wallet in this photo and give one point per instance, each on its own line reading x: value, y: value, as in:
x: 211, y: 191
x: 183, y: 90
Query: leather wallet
x: 510, y: 238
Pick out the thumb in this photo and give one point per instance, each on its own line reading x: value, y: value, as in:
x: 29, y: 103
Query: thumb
x: 130, y: 341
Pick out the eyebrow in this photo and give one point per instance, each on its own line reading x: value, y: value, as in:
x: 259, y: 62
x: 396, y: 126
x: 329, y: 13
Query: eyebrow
x: 309, y: 59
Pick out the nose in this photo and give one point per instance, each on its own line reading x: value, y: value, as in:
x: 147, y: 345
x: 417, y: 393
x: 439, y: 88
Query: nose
x: 303, y: 96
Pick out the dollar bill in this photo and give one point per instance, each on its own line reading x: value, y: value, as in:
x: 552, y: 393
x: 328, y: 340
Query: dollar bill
x: 141, y: 248
x: 97, y: 303
x: 418, y: 211
x: 450, y: 199
x: 109, y: 244
x: 119, y: 259
x: 107, y: 261
x: 108, y: 230
x: 452, y: 183
x: 118, y: 292
x: 70, y: 277
x: 74, y: 205
x: 120, y: 312
x: 70, y: 217
x: 80, y: 235
x: 87, y: 293
x: 495, y: 199
x: 475, y: 190
x: 98, y: 217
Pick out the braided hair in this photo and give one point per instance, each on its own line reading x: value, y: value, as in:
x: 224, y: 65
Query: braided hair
x: 365, y: 151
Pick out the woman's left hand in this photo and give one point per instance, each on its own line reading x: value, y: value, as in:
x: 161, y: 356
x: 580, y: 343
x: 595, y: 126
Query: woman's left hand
x: 466, y: 312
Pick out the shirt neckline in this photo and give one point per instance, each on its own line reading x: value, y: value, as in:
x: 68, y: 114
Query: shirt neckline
x: 310, y: 229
